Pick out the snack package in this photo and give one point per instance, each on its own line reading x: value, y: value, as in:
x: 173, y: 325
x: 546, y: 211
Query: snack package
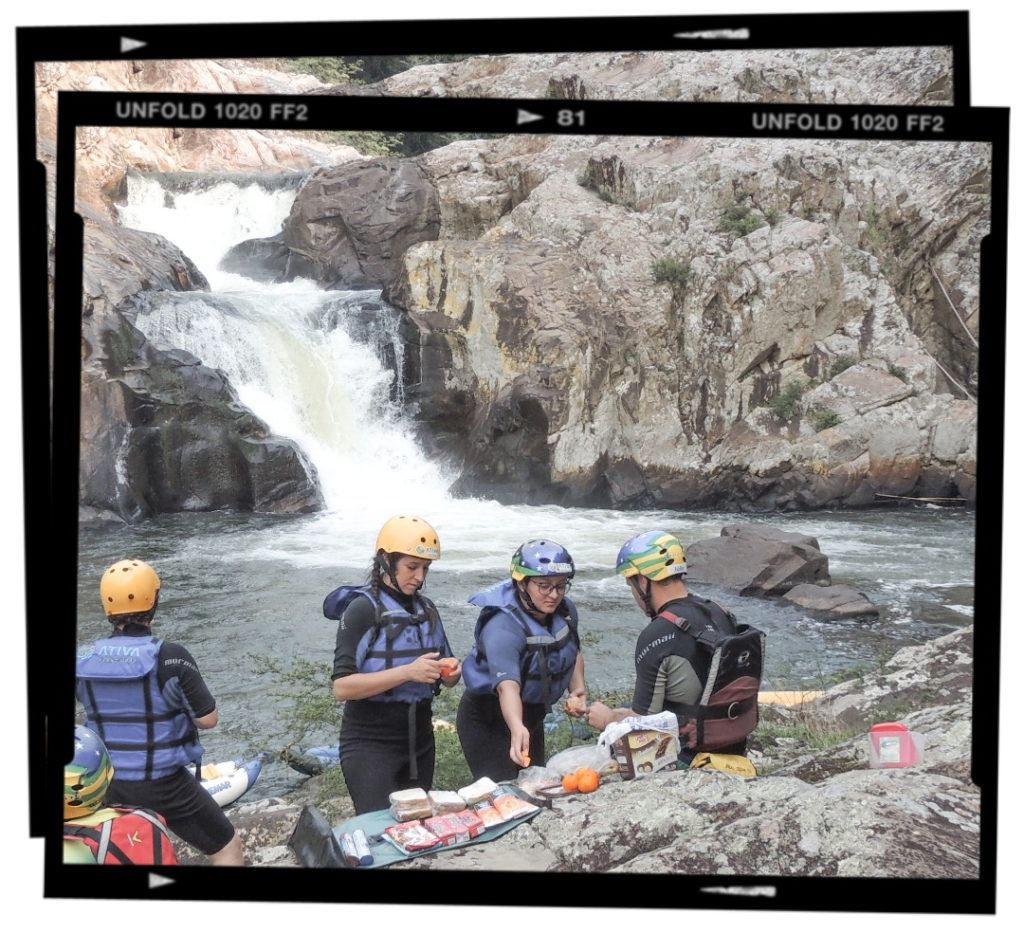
x: 485, y: 812
x: 411, y: 836
x: 468, y: 821
x: 644, y: 751
x: 510, y: 806
x: 445, y: 830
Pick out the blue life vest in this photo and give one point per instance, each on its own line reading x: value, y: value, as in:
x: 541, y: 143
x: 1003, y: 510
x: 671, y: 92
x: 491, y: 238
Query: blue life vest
x: 117, y: 683
x: 549, y: 658
x: 398, y: 637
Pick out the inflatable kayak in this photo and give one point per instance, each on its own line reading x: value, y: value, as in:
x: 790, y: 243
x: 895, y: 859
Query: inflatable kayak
x: 788, y: 697
x: 226, y: 781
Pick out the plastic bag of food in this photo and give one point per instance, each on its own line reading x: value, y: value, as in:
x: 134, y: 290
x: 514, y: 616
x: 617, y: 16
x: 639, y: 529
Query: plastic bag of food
x: 572, y: 759
x: 535, y: 778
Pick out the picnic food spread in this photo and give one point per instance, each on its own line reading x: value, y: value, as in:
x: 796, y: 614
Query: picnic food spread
x: 443, y: 818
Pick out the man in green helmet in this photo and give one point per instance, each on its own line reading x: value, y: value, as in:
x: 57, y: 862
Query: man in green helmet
x: 672, y: 667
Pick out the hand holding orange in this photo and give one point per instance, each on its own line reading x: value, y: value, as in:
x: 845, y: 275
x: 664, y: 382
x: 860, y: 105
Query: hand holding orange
x: 448, y: 666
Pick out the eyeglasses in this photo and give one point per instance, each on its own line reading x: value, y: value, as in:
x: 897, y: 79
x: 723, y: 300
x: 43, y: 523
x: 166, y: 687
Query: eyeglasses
x: 546, y: 589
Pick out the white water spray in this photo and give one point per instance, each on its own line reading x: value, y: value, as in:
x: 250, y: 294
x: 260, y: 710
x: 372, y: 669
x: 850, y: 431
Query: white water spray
x: 287, y: 350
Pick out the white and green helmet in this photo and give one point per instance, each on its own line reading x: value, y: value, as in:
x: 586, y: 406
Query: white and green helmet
x: 541, y: 559
x: 656, y: 555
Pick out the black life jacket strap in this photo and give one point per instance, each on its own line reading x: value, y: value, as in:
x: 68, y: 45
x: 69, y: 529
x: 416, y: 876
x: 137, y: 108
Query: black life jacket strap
x: 413, y: 767
x: 725, y: 711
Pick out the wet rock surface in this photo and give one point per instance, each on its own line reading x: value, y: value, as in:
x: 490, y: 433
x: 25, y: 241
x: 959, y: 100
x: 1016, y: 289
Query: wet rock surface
x: 160, y: 431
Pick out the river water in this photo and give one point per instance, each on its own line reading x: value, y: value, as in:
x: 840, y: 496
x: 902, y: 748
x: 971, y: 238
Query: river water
x: 237, y: 585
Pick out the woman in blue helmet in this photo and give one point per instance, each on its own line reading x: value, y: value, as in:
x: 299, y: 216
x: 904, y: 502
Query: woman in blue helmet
x: 526, y: 654
x: 387, y: 666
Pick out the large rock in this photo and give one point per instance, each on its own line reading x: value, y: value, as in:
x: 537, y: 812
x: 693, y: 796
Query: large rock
x: 160, y: 431
x: 349, y: 226
x: 833, y: 602
x: 757, y: 560
x: 721, y: 363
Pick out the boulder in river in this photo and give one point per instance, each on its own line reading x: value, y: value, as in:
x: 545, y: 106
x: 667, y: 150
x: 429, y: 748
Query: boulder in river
x: 350, y: 224
x: 833, y: 602
x: 757, y: 560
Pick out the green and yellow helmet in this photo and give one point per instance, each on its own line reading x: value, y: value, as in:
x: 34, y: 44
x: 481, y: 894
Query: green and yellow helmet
x: 87, y: 775
x: 656, y: 555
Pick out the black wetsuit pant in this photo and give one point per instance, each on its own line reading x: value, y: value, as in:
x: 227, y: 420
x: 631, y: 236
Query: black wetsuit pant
x: 485, y: 738
x: 183, y: 802
x: 375, y: 750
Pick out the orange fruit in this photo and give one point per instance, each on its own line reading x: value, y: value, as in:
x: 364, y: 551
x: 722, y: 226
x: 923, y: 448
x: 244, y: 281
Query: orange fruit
x: 526, y: 761
x: 447, y: 666
x: 588, y: 781
x: 570, y: 783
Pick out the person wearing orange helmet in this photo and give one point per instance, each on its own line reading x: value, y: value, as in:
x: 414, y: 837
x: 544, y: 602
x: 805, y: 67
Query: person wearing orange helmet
x: 388, y: 666
x: 146, y: 700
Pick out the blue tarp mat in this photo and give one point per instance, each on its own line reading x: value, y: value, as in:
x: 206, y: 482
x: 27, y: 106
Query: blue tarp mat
x: 385, y: 853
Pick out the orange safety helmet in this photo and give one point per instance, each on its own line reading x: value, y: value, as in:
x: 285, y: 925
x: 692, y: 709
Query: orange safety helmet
x: 129, y: 586
x: 405, y: 534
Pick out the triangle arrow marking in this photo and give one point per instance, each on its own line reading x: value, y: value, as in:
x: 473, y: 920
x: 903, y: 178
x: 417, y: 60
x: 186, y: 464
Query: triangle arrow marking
x: 128, y: 45
x: 158, y: 881
x: 524, y: 116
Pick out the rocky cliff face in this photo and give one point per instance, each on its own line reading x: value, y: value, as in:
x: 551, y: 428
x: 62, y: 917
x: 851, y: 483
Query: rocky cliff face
x: 105, y: 154
x: 909, y: 76
x: 639, y: 322
x: 691, y: 322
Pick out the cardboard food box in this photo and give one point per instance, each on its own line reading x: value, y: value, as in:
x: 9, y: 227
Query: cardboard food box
x: 470, y: 822
x: 445, y: 830
x: 644, y: 751
x: 485, y: 812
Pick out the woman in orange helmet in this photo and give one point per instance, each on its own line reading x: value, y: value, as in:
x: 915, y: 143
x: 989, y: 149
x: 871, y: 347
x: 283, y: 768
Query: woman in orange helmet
x: 388, y: 666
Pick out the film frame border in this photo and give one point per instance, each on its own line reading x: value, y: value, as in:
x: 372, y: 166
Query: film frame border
x: 305, y: 39
x: 601, y: 118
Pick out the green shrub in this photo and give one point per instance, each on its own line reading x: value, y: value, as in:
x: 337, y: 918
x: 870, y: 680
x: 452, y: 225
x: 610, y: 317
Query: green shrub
x: 787, y: 403
x: 738, y: 220
x: 823, y: 418
x: 841, y: 364
x: 325, y: 70
x: 307, y: 706
x: 675, y: 272
x: 367, y: 142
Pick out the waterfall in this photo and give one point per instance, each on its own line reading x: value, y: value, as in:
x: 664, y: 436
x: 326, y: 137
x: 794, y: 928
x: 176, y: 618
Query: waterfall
x: 321, y: 368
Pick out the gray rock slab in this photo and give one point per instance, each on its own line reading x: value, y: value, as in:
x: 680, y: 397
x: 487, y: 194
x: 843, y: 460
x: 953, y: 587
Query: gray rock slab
x: 835, y: 602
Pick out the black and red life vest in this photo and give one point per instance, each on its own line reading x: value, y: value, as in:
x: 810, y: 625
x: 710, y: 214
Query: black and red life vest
x: 727, y: 710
